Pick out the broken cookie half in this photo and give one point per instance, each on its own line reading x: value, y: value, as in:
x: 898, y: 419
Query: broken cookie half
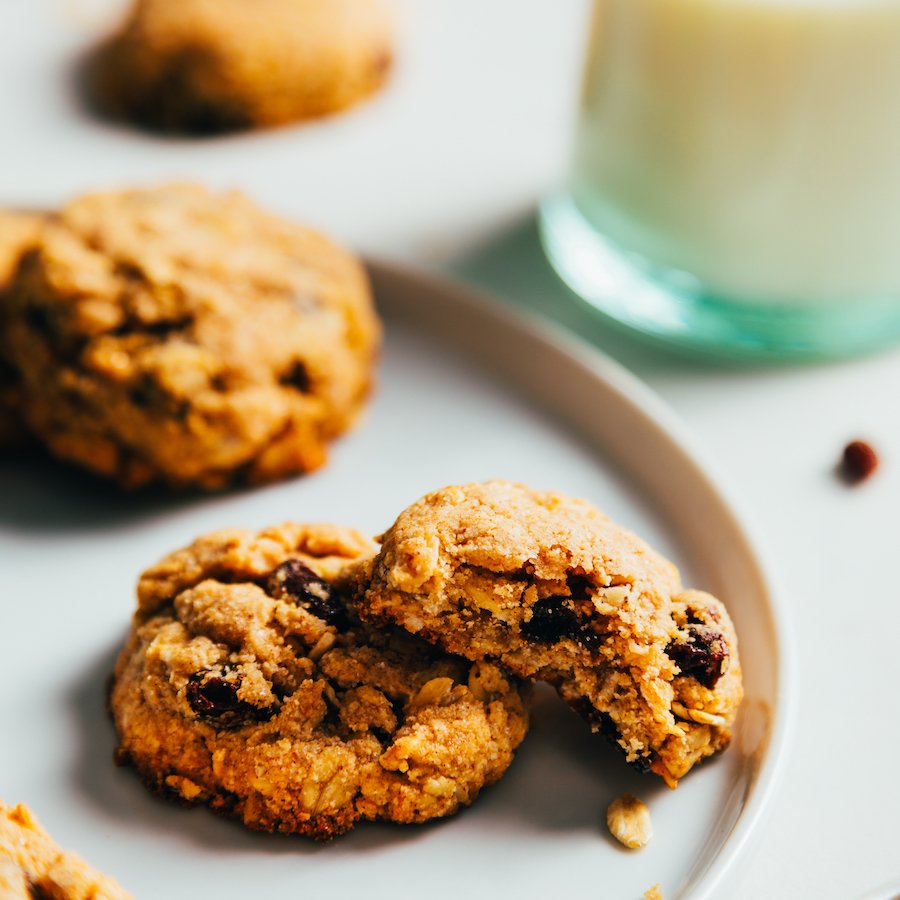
x: 32, y: 866
x: 551, y: 589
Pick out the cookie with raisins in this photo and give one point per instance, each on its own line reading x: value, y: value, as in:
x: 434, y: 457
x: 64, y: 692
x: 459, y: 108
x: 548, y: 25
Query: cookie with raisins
x: 200, y: 67
x: 550, y: 588
x: 248, y: 683
x: 175, y: 336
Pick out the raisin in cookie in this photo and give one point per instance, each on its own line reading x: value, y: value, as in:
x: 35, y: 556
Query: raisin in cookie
x: 32, y: 866
x: 552, y: 589
x: 249, y: 684
x: 174, y: 336
x: 210, y: 66
x: 18, y: 233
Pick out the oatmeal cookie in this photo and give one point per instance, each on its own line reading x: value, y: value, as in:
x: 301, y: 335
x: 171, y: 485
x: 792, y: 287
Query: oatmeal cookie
x: 31, y: 865
x: 174, y: 336
x: 210, y: 66
x: 18, y: 233
x: 249, y: 684
x: 550, y: 588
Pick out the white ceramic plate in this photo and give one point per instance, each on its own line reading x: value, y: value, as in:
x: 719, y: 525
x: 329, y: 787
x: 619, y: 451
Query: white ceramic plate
x: 468, y: 390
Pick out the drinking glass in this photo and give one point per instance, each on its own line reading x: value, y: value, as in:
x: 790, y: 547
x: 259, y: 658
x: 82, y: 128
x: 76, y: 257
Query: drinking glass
x: 735, y: 182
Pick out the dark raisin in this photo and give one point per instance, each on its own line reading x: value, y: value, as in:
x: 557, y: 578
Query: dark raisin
x: 296, y: 580
x: 579, y: 586
x: 552, y: 619
x: 219, y: 383
x: 701, y: 657
x: 211, y: 695
x: 141, y: 397
x: 590, y: 640
x: 216, y: 699
x: 642, y: 764
x: 297, y: 377
x: 858, y: 462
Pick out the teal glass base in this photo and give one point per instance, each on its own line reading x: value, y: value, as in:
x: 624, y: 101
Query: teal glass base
x: 672, y: 307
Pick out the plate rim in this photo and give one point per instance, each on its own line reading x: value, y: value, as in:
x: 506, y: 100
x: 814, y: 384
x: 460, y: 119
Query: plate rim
x: 614, y: 378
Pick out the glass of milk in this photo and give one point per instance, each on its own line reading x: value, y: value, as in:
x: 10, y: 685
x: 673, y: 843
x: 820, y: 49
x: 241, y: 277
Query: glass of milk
x: 735, y: 186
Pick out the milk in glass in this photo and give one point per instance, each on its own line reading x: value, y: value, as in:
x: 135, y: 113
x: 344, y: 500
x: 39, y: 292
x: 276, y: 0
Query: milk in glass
x: 754, y: 144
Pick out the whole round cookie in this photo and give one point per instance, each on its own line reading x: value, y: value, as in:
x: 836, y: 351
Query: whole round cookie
x: 550, y: 588
x: 248, y: 683
x: 209, y: 66
x: 18, y: 233
x: 32, y: 866
x: 175, y: 336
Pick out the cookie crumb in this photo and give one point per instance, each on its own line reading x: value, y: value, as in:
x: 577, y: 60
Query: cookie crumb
x: 553, y: 590
x: 653, y: 893
x: 629, y: 821
x: 858, y: 462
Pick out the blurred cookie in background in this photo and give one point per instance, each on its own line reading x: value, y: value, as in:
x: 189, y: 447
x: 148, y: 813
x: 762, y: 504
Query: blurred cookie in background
x: 18, y: 233
x: 201, y: 67
x: 174, y: 336
x: 33, y: 866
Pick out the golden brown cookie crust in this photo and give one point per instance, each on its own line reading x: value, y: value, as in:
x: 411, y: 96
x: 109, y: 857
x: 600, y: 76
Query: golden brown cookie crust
x: 209, y: 66
x: 18, y: 233
x: 552, y: 589
x: 30, y: 861
x: 175, y: 336
x: 248, y: 684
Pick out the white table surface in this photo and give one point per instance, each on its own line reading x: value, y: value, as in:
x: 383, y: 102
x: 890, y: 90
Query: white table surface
x: 443, y: 170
